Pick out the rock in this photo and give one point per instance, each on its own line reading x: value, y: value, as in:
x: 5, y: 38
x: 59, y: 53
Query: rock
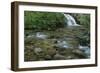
x: 67, y: 42
x: 29, y: 47
x: 79, y: 53
x: 59, y: 57
x: 37, y: 50
x: 83, y: 47
x: 62, y: 51
x: 30, y: 36
x: 51, y: 51
x: 41, y: 35
x: 48, y: 57
x: 29, y: 55
x: 62, y: 44
x: 86, y: 50
x: 69, y: 57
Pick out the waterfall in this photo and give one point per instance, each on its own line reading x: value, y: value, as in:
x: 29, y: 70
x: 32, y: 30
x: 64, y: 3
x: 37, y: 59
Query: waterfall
x: 70, y: 20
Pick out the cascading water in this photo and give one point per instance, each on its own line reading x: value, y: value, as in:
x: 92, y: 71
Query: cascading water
x: 70, y: 20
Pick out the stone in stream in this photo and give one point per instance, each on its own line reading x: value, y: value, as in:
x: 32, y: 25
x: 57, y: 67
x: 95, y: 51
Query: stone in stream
x: 48, y: 57
x: 62, y: 44
x: 29, y: 47
x: 30, y: 36
x: 85, y: 49
x: 37, y: 50
x: 69, y: 57
x: 41, y: 35
x: 67, y: 42
x: 79, y: 53
x: 59, y: 57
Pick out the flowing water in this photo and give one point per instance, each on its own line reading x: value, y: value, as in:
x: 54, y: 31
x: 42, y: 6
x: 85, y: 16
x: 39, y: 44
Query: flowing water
x: 70, y: 20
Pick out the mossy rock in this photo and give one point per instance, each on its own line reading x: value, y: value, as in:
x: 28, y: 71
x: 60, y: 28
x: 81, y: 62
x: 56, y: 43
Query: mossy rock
x: 29, y: 55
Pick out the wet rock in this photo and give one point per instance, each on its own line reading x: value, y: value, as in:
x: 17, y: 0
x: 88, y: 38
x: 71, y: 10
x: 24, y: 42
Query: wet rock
x: 37, y: 50
x: 79, y: 53
x: 30, y: 36
x: 39, y: 53
x: 69, y: 57
x: 41, y: 35
x: 50, y: 51
x: 29, y: 47
x: 62, y: 51
x: 62, y: 44
x: 85, y: 49
x: 48, y: 57
x: 29, y: 55
x: 67, y: 42
x: 59, y: 57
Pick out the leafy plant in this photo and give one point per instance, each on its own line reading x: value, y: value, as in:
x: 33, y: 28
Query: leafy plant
x: 43, y: 20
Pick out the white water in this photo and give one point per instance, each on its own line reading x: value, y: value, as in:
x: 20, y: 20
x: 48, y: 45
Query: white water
x: 63, y: 44
x: 41, y: 35
x: 86, y: 49
x: 70, y: 20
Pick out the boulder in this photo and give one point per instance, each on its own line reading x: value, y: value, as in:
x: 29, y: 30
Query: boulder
x: 59, y: 57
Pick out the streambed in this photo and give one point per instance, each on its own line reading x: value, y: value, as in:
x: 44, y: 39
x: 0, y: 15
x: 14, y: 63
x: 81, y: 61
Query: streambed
x: 61, y: 44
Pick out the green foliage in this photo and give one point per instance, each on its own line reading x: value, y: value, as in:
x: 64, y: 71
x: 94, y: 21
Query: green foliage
x: 43, y: 20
